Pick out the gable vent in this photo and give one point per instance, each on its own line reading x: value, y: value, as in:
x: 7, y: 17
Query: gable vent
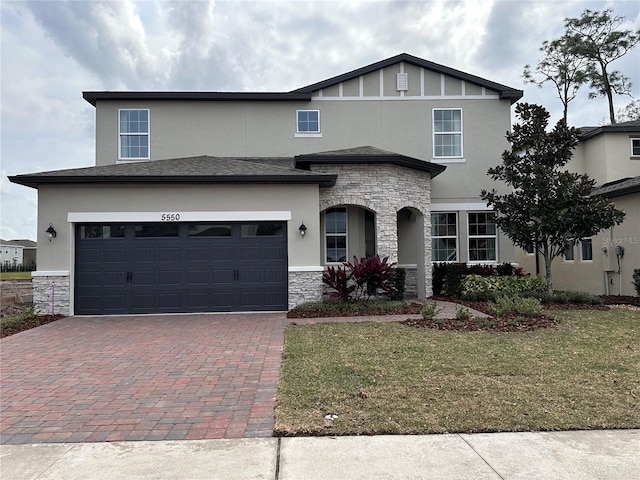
x: 402, y: 82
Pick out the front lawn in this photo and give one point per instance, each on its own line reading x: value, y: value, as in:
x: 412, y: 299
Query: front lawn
x: 374, y: 378
x: 15, y: 275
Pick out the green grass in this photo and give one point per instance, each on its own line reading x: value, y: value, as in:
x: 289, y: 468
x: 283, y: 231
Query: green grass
x: 15, y: 275
x: 390, y: 378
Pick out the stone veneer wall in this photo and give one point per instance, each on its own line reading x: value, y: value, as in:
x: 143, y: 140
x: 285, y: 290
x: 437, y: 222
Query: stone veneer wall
x: 384, y: 189
x: 304, y: 287
x: 48, y: 289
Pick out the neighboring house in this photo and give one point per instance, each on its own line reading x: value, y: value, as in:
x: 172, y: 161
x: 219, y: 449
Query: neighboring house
x: 198, y: 199
x: 11, y: 253
x: 29, y: 252
x: 611, y: 156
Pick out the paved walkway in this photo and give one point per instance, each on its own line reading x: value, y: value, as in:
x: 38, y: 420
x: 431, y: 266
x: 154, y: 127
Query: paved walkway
x: 585, y: 455
x: 150, y: 377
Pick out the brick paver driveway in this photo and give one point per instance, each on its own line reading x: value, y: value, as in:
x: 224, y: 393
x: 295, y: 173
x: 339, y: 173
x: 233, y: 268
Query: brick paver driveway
x: 141, y: 378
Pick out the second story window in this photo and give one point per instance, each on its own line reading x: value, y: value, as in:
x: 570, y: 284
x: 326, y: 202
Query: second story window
x: 134, y: 134
x: 308, y: 121
x: 447, y: 133
x: 635, y: 147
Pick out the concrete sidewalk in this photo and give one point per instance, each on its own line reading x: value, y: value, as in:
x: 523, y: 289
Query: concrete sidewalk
x: 604, y: 454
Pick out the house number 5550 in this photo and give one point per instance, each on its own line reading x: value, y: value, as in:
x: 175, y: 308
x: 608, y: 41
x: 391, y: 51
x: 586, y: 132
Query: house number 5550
x: 170, y: 217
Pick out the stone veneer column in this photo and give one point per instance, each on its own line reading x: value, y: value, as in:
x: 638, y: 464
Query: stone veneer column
x: 304, y: 287
x: 51, y: 294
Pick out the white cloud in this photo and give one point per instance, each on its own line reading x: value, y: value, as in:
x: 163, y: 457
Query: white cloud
x: 53, y: 50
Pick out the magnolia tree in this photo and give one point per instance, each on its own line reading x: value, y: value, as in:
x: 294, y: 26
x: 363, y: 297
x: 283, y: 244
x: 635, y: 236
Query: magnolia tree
x: 549, y: 207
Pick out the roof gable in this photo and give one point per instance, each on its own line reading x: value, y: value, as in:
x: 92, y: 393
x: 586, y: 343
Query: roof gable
x: 504, y: 91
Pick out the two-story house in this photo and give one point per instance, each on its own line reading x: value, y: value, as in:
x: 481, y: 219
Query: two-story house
x: 604, y: 264
x: 237, y: 201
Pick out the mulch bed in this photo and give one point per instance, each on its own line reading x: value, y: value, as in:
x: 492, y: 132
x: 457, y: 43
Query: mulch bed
x: 507, y: 323
x: 411, y: 309
x: 28, y: 323
x: 620, y: 300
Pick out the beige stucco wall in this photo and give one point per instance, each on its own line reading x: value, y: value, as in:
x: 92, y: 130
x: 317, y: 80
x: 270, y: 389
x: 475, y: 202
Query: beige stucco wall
x: 55, y: 202
x: 590, y: 276
x: 606, y: 157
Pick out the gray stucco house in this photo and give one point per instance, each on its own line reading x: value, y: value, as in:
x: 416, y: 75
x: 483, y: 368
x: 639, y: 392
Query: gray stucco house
x: 197, y: 200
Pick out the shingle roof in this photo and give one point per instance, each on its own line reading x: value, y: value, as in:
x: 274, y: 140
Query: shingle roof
x: 202, y: 169
x: 618, y: 188
x: 304, y: 93
x: 367, y: 155
x: 622, y: 127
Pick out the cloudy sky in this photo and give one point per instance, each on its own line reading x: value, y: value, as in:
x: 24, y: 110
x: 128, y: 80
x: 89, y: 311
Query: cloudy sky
x: 51, y: 51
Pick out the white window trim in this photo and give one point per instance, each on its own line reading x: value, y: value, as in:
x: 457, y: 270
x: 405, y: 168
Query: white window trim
x: 457, y: 235
x: 120, y: 134
x: 590, y: 260
x: 345, y: 234
x: 469, y: 237
x: 300, y: 134
x: 447, y: 159
x: 635, y: 157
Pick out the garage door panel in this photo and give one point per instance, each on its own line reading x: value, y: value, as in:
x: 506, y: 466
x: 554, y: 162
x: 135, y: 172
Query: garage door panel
x: 220, y: 269
x: 221, y: 253
x: 169, y: 277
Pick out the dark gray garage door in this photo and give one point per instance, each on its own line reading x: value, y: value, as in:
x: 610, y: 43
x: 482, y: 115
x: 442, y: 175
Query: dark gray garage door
x: 180, y: 267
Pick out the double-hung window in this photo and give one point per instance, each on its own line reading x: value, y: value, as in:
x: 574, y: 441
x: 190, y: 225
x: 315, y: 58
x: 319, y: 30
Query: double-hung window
x: 444, y: 236
x: 335, y: 229
x: 586, y: 250
x: 483, y: 237
x: 307, y: 123
x: 134, y: 134
x: 635, y: 147
x: 447, y: 133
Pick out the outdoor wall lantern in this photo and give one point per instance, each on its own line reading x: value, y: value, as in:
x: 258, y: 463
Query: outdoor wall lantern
x: 303, y: 229
x: 51, y: 232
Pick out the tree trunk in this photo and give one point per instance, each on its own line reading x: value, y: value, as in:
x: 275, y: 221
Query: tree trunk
x: 607, y: 87
x: 547, y: 269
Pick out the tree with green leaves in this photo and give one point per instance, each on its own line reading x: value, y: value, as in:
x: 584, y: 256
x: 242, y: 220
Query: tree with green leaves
x: 549, y: 207
x: 597, y: 37
x: 560, y: 66
x: 629, y: 112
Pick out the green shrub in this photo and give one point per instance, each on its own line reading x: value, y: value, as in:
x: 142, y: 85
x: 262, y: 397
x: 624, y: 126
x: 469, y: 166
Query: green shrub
x: 561, y: 296
x: 430, y: 310
x: 463, y: 313
x: 399, y: 277
x: 636, y: 280
x: 476, y: 287
x: 453, y: 278
x: 529, y: 307
x: 438, y: 272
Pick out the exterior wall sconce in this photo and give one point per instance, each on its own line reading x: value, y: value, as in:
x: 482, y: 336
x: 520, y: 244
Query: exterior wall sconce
x: 51, y: 232
x: 303, y: 229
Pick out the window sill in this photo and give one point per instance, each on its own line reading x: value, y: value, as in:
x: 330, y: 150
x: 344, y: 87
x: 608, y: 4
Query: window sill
x: 308, y: 135
x: 448, y: 160
x: 132, y: 160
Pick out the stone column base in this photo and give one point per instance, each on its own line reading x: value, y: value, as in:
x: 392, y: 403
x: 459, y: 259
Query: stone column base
x: 304, y: 287
x: 51, y: 294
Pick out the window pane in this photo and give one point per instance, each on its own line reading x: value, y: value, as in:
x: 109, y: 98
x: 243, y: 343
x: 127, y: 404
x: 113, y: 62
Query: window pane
x: 336, y: 220
x: 102, y: 231
x: 635, y: 147
x: 262, y: 230
x: 482, y: 249
x: 448, y: 145
x: 444, y: 250
x: 209, y: 230
x: 157, y: 230
x: 587, y: 249
x: 568, y: 253
x: 336, y: 249
x: 308, y: 121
